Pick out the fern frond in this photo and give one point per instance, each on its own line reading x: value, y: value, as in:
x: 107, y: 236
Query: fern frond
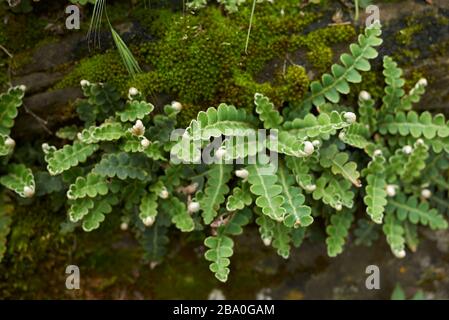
x: 356, y: 135
x: 214, y: 193
x: 108, y: 131
x: 334, y: 192
x: 90, y: 186
x: 264, y: 185
x: 337, y: 232
x: 179, y: 215
x: 393, y: 90
x: 10, y: 102
x: 332, y: 85
x: 394, y: 232
x: 221, y: 245
x: 240, y: 198
x: 416, y: 212
x: 322, y: 126
x: 297, y: 214
x: 415, y: 125
x: 135, y: 110
x: 339, y: 164
x: 96, y: 215
x: 267, y: 113
x: 69, y: 156
x: 20, y: 179
x: 122, y: 165
x: 376, y: 196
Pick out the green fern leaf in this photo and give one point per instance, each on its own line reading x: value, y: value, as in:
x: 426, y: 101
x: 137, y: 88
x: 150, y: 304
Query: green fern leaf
x: 179, y: 215
x: 108, y: 131
x: 322, y: 126
x: 393, y: 90
x: 376, y: 196
x: 264, y: 185
x: 90, y: 186
x: 267, y: 113
x: 332, y: 85
x: 214, y: 193
x: 5, y: 148
x: 135, y: 110
x: 333, y: 192
x: 20, y: 179
x: 80, y: 208
x: 337, y: 232
x: 148, y: 206
x: 356, y: 135
x: 69, y: 156
x: 221, y: 245
x: 395, y: 234
x: 240, y: 198
x: 339, y: 164
x: 96, y: 215
x: 122, y: 166
x: 416, y: 212
x: 415, y: 125
x: 9, y: 104
x: 297, y: 214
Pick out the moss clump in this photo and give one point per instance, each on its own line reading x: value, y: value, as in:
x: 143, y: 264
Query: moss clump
x: 105, y: 67
x: 319, y: 43
x: 405, y: 36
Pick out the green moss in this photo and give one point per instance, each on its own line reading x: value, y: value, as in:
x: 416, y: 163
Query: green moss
x: 405, y: 36
x: 319, y: 43
x: 105, y: 67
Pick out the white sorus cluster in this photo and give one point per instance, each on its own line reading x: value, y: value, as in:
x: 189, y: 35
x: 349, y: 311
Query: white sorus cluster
x: 426, y: 193
x: 145, y: 143
x: 28, y: 191
x: 9, y: 142
x: 308, y: 148
x: 350, y: 117
x: 242, y: 173
x: 138, y: 129
x: 149, y: 221
x: 177, y: 106
x: 45, y: 148
x: 310, y: 187
x: 23, y: 87
x: 391, y: 190
x: 377, y: 153
x: 422, y: 82
x: 266, y: 241
x: 407, y: 149
x: 400, y: 254
x: 420, y: 141
x: 193, y: 207
x: 124, y: 226
x: 84, y: 83
x: 338, y: 206
x: 220, y: 153
x: 133, y: 91
x: 164, y: 193
x: 364, y: 95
